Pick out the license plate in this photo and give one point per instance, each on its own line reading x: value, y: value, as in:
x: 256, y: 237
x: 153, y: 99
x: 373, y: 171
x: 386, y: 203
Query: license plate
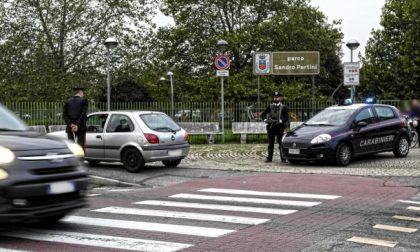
x: 294, y: 151
x: 61, y: 187
x: 175, y: 153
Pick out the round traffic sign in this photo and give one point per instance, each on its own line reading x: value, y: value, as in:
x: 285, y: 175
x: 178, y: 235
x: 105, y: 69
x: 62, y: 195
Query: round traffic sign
x: 222, y: 62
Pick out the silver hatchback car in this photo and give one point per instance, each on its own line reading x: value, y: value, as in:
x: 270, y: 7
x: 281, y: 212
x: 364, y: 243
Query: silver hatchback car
x: 135, y: 138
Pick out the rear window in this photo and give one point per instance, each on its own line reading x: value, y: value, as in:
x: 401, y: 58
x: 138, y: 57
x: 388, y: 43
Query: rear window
x: 159, y: 122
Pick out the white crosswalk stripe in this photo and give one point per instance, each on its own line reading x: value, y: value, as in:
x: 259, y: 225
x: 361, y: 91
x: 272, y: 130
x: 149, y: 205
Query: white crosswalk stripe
x: 239, y: 204
x: 148, y: 226
x: 270, y: 194
x: 103, y: 241
x: 246, y: 200
x: 217, y: 207
x: 183, y: 215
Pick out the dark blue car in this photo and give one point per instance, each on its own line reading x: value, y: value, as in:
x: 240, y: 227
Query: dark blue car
x: 339, y: 133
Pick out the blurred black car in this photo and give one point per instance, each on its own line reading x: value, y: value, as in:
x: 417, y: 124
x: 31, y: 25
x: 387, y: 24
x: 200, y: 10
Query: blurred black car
x: 339, y: 133
x: 41, y: 179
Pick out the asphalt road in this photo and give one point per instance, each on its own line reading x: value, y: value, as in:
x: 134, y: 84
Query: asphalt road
x: 194, y: 209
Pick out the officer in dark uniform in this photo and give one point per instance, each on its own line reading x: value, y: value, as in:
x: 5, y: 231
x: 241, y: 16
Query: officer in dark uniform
x: 276, y: 115
x: 75, y: 116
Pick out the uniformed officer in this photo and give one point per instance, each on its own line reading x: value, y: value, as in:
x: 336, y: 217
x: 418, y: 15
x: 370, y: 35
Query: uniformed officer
x: 75, y: 116
x: 276, y: 115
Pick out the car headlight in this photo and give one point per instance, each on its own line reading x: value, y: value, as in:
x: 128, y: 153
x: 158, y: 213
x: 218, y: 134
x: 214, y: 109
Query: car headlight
x: 6, y: 155
x: 321, y: 139
x: 76, y: 149
x: 3, y: 174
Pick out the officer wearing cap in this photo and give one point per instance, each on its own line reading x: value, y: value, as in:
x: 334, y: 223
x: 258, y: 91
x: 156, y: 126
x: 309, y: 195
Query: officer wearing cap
x: 75, y: 116
x: 276, y: 115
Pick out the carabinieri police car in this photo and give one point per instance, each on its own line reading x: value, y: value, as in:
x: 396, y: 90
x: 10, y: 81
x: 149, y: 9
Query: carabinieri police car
x: 339, y: 133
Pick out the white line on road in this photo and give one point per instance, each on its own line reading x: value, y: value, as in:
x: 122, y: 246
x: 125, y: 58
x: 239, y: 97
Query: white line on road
x: 217, y: 207
x: 410, y: 202
x: 183, y: 215
x: 148, y: 226
x: 104, y: 241
x: 12, y: 250
x: 270, y: 194
x: 247, y: 200
x: 399, y: 217
x: 395, y: 228
x: 92, y: 195
x: 413, y: 208
x: 370, y: 241
x: 121, y: 190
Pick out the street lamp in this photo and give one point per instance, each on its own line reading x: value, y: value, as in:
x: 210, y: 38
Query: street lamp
x: 352, y: 45
x: 171, y: 74
x: 222, y: 46
x: 110, y: 44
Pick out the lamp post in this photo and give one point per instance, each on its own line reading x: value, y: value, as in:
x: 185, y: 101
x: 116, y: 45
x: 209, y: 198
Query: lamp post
x: 110, y: 43
x: 352, y: 45
x: 222, y: 46
x: 171, y: 74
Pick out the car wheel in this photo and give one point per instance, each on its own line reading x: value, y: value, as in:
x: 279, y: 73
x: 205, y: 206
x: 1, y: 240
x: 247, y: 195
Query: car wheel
x: 93, y: 162
x: 292, y: 161
x: 50, y: 220
x: 132, y: 160
x: 402, y: 147
x: 171, y: 163
x: 343, y: 154
x: 415, y: 140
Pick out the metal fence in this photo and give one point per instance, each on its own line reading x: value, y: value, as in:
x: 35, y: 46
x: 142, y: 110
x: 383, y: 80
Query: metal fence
x: 50, y: 113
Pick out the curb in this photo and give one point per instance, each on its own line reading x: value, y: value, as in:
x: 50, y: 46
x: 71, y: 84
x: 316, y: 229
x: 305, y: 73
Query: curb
x: 97, y: 180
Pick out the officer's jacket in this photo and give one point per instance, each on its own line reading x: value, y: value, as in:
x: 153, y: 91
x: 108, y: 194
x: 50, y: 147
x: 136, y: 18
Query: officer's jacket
x: 75, y: 112
x: 275, y: 113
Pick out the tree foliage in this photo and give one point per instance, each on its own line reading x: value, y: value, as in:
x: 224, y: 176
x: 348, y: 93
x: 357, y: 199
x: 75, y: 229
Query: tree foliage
x: 188, y: 48
x: 48, y: 46
x: 391, y: 67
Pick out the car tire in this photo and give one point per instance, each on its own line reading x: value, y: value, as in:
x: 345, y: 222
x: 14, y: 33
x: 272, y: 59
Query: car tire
x: 132, y: 160
x: 172, y: 163
x: 402, y: 148
x: 93, y: 162
x: 292, y: 161
x: 343, y: 154
x: 50, y: 220
x: 415, y: 140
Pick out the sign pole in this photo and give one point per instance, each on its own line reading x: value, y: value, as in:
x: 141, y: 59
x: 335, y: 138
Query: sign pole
x: 353, y: 88
x: 223, y: 109
x: 313, y: 90
x: 258, y: 100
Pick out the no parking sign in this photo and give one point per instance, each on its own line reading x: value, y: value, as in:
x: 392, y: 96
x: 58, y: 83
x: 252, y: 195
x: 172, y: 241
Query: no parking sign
x: 222, y: 62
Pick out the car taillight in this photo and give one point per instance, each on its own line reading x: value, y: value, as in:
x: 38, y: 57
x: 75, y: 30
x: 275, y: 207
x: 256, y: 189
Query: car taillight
x: 186, y: 136
x: 151, y: 138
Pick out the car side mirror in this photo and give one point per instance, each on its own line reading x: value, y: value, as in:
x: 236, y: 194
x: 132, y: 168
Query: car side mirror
x: 360, y: 125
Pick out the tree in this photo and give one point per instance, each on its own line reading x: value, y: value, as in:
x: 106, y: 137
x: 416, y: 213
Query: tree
x: 391, y: 67
x: 188, y: 47
x: 49, y: 46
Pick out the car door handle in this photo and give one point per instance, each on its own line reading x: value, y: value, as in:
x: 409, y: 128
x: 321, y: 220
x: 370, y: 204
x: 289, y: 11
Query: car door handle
x: 99, y: 136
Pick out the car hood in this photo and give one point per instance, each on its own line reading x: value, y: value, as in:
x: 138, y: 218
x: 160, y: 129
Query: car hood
x: 310, y: 132
x: 20, y: 141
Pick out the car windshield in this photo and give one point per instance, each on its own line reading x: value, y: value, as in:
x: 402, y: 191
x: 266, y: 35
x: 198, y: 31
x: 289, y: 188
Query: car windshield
x: 160, y: 122
x: 331, y: 117
x: 9, y: 122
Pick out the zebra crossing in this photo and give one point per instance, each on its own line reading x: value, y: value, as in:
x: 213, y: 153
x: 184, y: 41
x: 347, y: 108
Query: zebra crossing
x: 172, y: 223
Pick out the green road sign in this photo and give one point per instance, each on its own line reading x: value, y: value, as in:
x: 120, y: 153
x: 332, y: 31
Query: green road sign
x: 295, y: 63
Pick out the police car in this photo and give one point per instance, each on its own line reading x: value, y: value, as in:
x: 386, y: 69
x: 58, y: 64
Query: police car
x: 340, y: 133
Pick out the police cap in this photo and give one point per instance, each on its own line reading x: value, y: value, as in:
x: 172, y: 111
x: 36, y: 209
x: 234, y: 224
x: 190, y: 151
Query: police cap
x: 78, y: 88
x: 277, y: 94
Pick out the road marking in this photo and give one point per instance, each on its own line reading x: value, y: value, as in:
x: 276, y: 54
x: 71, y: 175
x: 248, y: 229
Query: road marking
x: 148, y: 226
x: 370, y: 241
x: 413, y: 208
x: 92, y: 195
x: 406, y: 218
x: 183, y: 215
x: 217, y: 207
x: 395, y: 228
x: 410, y: 202
x: 12, y: 250
x: 104, y: 241
x: 270, y: 194
x: 247, y: 200
x: 121, y: 190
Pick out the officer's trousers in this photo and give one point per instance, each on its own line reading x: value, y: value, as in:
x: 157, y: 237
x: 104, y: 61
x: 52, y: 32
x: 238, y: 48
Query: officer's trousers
x: 273, y: 131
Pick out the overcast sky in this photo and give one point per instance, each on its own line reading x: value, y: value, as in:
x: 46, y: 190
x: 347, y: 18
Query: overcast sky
x: 358, y: 17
